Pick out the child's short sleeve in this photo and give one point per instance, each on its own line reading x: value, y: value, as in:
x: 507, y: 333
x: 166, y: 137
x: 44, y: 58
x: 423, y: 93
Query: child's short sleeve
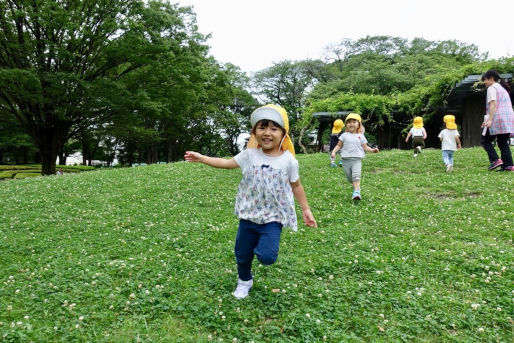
x: 440, y: 134
x: 243, y: 159
x: 293, y: 171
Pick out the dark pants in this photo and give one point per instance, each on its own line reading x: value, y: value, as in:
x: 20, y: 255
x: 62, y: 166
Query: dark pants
x: 262, y: 240
x: 503, y: 143
x: 417, y: 141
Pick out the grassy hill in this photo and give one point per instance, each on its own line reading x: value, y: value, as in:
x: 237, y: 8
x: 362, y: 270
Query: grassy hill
x: 146, y: 255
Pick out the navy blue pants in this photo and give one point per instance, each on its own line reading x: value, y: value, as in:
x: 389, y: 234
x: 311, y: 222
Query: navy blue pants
x: 503, y: 143
x: 262, y: 240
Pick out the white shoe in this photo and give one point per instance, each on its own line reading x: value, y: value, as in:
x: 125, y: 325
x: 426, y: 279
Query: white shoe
x: 415, y: 155
x: 449, y: 167
x: 242, y: 289
x: 419, y: 149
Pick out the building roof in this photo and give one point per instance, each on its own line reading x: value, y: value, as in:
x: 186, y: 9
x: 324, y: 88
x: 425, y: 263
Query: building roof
x: 329, y: 116
x: 465, y: 88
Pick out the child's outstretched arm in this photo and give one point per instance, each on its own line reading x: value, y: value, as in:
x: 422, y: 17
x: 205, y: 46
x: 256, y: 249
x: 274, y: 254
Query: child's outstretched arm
x: 215, y: 162
x: 368, y: 149
x: 457, y: 139
x: 408, y: 136
x: 336, y: 149
x: 299, y: 194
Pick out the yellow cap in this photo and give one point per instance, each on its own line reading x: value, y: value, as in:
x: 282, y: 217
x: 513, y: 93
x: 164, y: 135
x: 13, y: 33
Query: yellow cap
x: 418, y: 122
x: 278, y: 115
x: 356, y: 117
x: 450, y: 122
x: 353, y: 116
x: 338, y: 126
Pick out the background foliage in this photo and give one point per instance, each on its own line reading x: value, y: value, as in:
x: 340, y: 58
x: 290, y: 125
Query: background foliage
x: 133, y: 81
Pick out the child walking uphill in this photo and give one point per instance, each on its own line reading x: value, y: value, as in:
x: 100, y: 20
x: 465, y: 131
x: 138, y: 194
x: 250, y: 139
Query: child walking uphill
x: 419, y: 134
x: 334, y: 138
x: 264, y: 201
x: 450, y: 141
x: 353, y: 143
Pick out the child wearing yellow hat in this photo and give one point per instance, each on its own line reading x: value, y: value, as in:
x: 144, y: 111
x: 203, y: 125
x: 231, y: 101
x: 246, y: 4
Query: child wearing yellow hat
x: 450, y: 141
x: 265, y: 197
x: 353, y: 144
x: 334, y: 138
x: 419, y: 134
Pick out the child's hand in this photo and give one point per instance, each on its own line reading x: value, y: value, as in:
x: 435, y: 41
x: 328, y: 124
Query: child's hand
x: 333, y: 155
x: 308, y: 218
x: 375, y: 150
x: 407, y: 140
x: 191, y: 156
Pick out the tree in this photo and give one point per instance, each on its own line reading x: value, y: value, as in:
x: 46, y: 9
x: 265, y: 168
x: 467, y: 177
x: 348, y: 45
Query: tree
x: 287, y: 84
x: 54, y: 56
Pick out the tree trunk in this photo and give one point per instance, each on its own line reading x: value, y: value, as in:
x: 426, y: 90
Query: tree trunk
x: 62, y: 159
x: 49, y: 156
x: 47, y: 143
x: 302, y: 131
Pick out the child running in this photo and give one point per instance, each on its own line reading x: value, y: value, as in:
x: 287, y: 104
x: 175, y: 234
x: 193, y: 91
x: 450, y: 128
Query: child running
x: 450, y: 141
x: 334, y: 138
x: 353, y: 143
x: 419, y: 134
x: 264, y: 201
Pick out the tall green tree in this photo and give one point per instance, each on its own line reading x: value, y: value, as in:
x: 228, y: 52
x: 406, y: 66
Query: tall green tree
x: 57, y: 57
x: 287, y: 84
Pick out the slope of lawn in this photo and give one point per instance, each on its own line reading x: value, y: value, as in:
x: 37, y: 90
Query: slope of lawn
x: 146, y: 255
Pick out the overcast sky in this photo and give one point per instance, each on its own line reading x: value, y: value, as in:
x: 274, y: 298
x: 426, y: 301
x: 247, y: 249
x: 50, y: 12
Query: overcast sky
x: 253, y: 34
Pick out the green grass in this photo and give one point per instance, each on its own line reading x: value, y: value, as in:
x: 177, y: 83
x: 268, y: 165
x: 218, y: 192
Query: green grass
x: 146, y: 255
x: 8, y: 171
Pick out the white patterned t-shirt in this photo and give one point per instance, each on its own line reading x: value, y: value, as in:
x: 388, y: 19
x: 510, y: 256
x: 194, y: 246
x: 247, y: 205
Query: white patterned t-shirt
x: 265, y: 194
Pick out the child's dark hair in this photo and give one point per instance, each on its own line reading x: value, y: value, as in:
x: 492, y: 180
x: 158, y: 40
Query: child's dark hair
x: 496, y: 77
x: 266, y: 122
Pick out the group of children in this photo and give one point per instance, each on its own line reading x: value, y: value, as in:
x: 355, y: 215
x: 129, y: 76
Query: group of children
x: 449, y: 137
x: 270, y: 180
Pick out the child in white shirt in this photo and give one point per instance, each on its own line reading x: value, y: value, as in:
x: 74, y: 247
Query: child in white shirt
x: 353, y: 143
x: 264, y: 202
x: 450, y: 141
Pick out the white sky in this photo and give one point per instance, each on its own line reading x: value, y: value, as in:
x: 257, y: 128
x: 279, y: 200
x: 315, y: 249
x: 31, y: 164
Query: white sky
x: 253, y: 34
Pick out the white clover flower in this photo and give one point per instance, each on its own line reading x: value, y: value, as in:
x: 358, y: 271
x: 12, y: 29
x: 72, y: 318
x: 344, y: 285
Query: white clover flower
x: 307, y: 315
x: 480, y: 329
x: 9, y: 307
x: 475, y: 306
x: 26, y: 317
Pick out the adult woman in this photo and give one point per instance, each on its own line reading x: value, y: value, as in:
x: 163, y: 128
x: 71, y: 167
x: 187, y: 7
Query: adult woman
x: 498, y: 122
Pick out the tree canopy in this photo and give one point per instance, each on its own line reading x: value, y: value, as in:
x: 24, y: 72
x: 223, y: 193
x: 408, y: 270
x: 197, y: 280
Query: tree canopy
x: 133, y: 80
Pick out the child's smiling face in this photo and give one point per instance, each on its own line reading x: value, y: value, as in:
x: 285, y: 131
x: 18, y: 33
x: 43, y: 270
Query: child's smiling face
x: 269, y: 136
x: 352, y: 125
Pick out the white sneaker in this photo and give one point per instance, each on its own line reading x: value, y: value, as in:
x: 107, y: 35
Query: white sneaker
x: 419, y: 149
x: 449, y: 167
x: 415, y: 155
x: 242, y: 289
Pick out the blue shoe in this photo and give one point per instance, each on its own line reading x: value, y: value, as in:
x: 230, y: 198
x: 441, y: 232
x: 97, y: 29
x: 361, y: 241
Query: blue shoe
x: 356, y: 195
x: 332, y: 165
x: 341, y: 163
